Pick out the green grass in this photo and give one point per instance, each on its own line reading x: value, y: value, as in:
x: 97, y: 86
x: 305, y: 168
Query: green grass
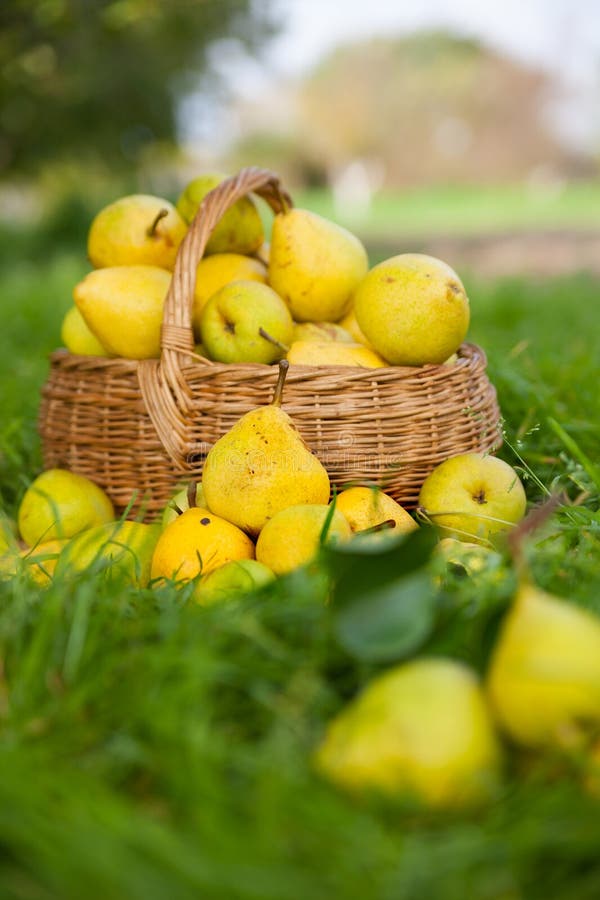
x: 464, y: 210
x: 153, y: 749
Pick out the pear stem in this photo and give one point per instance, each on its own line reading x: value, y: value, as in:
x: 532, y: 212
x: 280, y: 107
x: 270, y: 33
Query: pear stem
x: 386, y: 525
x: 159, y: 215
x: 191, y: 494
x: 277, y: 394
x: 265, y: 334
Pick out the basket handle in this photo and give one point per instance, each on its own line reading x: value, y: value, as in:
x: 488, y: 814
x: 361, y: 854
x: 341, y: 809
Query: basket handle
x: 166, y: 394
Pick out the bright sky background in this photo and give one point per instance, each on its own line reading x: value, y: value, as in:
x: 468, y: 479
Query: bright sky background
x: 563, y: 35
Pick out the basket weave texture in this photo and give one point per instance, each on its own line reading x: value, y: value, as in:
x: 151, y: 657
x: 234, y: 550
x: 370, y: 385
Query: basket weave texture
x: 142, y: 428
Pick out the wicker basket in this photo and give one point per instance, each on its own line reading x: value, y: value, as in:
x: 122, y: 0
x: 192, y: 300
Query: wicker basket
x: 142, y: 428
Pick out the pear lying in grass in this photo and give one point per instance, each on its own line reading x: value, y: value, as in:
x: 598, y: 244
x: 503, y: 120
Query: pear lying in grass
x: 333, y: 353
x: 123, y: 307
x: 368, y: 507
x: 320, y: 332
x: 246, y: 322
x: 315, y: 265
x: 234, y: 579
x: 293, y: 536
x: 214, y: 272
x: 77, y: 337
x: 40, y: 561
x: 136, y: 230
x: 420, y: 731
x: 60, y: 504
x: 197, y: 542
x: 121, y: 551
x: 544, y: 676
x: 240, y: 229
x: 413, y: 309
x: 261, y: 466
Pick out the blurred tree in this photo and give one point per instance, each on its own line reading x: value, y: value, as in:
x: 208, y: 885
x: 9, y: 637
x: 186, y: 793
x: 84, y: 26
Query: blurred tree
x: 101, y: 77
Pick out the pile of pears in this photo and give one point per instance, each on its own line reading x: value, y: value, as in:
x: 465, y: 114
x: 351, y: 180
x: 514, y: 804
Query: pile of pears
x: 308, y: 296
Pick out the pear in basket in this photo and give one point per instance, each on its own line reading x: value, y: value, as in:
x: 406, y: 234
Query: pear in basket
x: 321, y: 331
x: 334, y: 353
x: 123, y: 307
x: 214, y: 272
x: 261, y: 466
x: 413, y: 309
x: 136, y: 230
x: 239, y: 230
x: 315, y: 265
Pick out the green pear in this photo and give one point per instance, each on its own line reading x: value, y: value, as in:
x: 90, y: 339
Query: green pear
x: 544, y: 675
x: 59, y: 504
x: 334, y: 353
x: 246, y: 322
x: 77, y: 337
x: 235, y: 578
x: 473, y: 497
x: 136, y: 230
x: 240, y: 230
x: 292, y: 537
x: 123, y: 307
x: 422, y: 730
x: 261, y: 466
x: 180, y: 501
x: 121, y: 550
x: 214, y: 272
x: 321, y: 331
x: 412, y: 309
x: 315, y: 265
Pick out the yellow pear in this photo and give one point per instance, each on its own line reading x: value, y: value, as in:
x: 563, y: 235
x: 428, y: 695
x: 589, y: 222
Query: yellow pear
x: 77, y: 337
x: 123, y: 307
x: 41, y: 560
x: 473, y: 496
x: 261, y: 466
x: 234, y: 579
x: 367, y: 507
x: 413, y: 309
x: 544, y: 675
x: 293, y: 536
x: 422, y: 730
x: 136, y: 230
x: 121, y: 550
x: 59, y: 504
x: 214, y: 272
x: 321, y: 331
x: 334, y: 353
x: 315, y: 265
x: 197, y: 542
x: 349, y: 324
x: 240, y: 229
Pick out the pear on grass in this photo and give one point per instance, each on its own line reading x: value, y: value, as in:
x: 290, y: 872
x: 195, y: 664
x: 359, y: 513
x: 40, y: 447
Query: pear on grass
x: 412, y: 309
x: 261, y: 466
x: 59, y: 504
x: 246, y: 322
x: 334, y: 353
x: 544, y: 676
x: 139, y: 229
x: 240, y: 229
x: 123, y: 307
x: 197, y: 542
x: 214, y: 272
x: 367, y: 507
x: 234, y: 579
x: 420, y: 731
x: 315, y: 265
x: 293, y: 536
x: 122, y: 551
x: 77, y: 337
